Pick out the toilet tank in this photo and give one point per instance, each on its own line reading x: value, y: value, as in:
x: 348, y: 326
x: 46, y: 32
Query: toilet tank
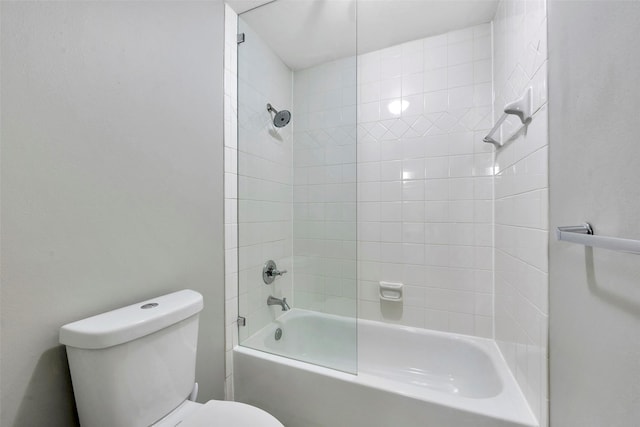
x: 132, y: 366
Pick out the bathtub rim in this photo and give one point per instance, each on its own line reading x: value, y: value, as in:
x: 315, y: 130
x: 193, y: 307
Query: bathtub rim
x: 509, y: 405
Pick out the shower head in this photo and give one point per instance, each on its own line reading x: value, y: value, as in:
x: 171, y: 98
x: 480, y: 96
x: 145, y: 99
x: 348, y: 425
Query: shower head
x: 281, y: 118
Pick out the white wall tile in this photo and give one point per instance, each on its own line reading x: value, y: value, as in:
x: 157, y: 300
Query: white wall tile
x: 460, y: 75
x: 435, y: 57
x: 435, y: 102
x: 412, y: 61
x: 461, y: 97
x: 390, y: 88
x: 412, y: 84
x: 459, y: 53
x: 482, y: 71
x: 521, y: 225
x: 435, y: 80
x: 390, y: 67
x: 430, y: 222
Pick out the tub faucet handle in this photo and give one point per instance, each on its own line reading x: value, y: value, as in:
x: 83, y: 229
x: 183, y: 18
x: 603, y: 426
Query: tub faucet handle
x: 278, y: 272
x: 270, y: 272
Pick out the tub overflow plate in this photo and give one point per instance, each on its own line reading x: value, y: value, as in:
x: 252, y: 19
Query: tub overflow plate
x: 278, y: 334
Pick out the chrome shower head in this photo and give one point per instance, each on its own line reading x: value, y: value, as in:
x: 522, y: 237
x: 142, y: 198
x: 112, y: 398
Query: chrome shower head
x: 281, y: 118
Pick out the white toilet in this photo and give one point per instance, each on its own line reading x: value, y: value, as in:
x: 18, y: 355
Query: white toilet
x: 135, y: 367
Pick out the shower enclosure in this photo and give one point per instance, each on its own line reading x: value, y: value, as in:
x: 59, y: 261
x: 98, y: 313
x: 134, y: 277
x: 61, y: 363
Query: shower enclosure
x: 385, y: 251
x: 297, y: 178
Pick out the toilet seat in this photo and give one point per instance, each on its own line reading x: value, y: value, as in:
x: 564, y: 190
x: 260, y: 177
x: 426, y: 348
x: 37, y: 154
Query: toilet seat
x: 229, y: 414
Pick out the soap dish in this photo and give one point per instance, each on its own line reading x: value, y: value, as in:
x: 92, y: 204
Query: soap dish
x: 390, y: 291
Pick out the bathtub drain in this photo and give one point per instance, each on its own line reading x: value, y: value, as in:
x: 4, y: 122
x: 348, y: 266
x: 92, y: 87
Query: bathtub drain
x: 278, y: 334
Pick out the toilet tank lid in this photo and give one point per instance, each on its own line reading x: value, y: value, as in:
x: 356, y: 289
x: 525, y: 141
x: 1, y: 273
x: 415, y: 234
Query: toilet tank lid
x: 131, y: 322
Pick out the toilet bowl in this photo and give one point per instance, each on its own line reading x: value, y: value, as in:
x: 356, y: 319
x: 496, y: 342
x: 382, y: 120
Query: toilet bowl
x: 135, y: 367
x: 218, y: 413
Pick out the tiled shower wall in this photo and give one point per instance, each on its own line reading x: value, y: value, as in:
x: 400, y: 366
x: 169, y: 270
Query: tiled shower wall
x: 324, y: 198
x: 425, y: 185
x: 521, y: 200
x: 258, y: 183
x: 265, y: 186
x: 264, y: 180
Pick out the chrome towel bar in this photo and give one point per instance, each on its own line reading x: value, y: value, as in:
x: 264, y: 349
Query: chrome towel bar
x: 583, y: 235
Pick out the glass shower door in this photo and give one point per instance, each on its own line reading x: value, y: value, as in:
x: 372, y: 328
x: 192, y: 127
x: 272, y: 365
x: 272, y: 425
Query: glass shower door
x: 297, y: 181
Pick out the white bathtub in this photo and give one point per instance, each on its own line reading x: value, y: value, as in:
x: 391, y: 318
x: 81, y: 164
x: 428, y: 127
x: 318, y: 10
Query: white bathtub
x: 406, y: 376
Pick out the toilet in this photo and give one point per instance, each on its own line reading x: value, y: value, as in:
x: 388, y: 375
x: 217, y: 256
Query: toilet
x: 135, y: 367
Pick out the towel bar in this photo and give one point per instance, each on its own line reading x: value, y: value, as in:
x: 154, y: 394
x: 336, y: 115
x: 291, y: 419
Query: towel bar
x: 521, y: 108
x: 583, y: 235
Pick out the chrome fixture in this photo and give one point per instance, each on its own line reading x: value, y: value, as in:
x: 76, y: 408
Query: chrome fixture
x: 277, y: 301
x: 580, y: 229
x: 584, y: 235
x: 270, y: 271
x: 278, y: 334
x: 281, y: 118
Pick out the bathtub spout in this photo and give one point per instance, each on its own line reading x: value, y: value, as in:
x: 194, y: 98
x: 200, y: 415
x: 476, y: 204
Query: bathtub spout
x: 277, y: 301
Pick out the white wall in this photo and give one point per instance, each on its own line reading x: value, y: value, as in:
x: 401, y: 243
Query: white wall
x: 111, y: 180
x: 425, y: 182
x: 594, y: 163
x: 521, y: 199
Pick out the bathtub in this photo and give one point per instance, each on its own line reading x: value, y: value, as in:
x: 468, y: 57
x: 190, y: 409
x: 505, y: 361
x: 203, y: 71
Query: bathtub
x: 405, y: 376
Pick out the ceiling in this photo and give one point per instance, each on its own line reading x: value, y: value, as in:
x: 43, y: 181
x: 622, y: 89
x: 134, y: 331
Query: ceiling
x: 304, y: 33
x: 241, y: 6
